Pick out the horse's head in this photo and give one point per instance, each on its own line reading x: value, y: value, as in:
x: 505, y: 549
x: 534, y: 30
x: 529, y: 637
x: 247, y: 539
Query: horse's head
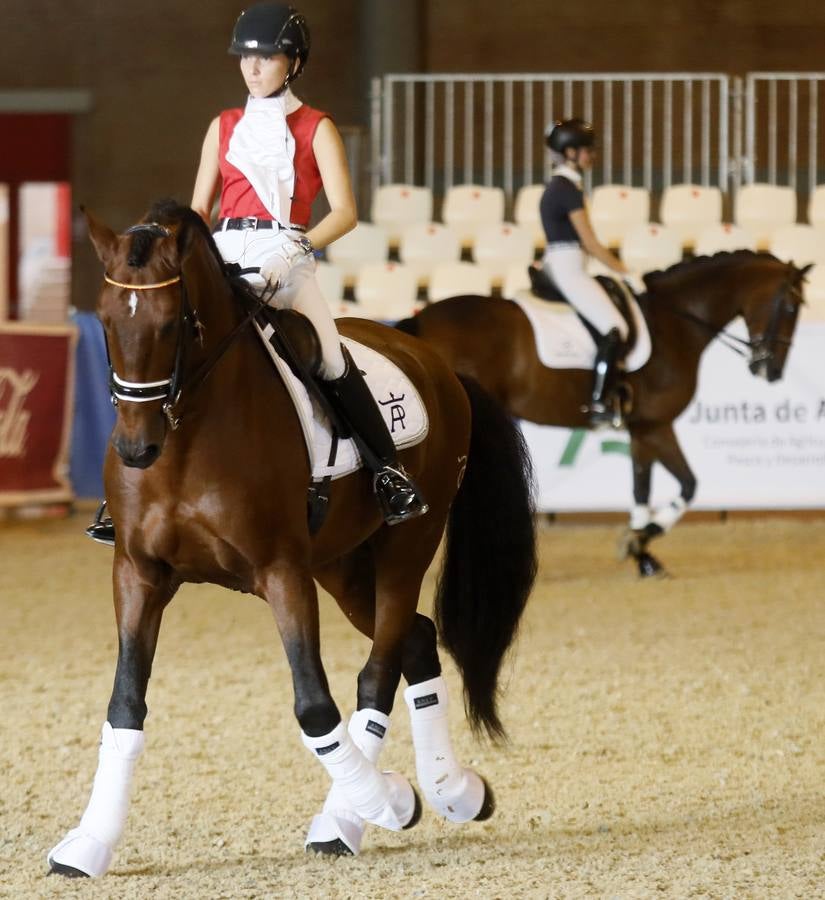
x: 770, y: 309
x: 146, y: 317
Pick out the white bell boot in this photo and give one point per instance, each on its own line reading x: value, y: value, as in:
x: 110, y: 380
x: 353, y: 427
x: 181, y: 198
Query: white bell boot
x: 639, y: 516
x: 667, y: 516
x: 382, y: 799
x: 88, y: 849
x: 338, y: 829
x: 456, y: 793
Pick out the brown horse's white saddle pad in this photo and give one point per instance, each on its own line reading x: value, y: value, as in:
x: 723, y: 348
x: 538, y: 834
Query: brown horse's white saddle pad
x: 397, y: 398
x: 562, y: 341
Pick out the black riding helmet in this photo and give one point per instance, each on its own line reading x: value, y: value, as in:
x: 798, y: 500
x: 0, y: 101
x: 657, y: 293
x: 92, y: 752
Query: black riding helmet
x: 570, y: 133
x: 270, y: 28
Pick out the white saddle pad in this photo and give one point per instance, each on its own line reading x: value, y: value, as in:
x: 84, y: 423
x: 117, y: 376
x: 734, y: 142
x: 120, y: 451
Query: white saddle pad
x: 562, y: 341
x: 397, y: 398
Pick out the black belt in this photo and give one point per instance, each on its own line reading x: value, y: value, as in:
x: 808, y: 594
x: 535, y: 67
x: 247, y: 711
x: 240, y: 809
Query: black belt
x: 254, y: 223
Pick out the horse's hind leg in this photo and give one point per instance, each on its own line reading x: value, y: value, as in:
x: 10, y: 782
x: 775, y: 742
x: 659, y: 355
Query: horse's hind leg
x: 458, y: 794
x: 140, y: 598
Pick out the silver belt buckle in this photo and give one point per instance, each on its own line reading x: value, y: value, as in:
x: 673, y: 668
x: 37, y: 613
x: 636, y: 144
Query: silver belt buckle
x: 251, y: 222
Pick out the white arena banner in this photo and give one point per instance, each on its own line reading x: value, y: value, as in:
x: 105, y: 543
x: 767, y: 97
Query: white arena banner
x: 751, y: 445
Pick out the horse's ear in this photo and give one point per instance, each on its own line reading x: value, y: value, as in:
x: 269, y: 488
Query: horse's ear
x: 805, y: 269
x: 102, y: 237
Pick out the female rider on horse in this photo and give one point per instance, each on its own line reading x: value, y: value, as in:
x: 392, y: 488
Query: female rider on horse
x: 569, y: 237
x: 268, y: 161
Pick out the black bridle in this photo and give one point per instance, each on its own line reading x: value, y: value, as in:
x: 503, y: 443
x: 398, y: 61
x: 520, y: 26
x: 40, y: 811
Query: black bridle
x: 169, y: 390
x: 763, y: 347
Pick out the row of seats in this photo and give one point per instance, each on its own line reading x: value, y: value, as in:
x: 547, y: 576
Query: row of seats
x: 423, y: 246
x: 614, y: 209
x: 643, y: 247
x: 388, y: 291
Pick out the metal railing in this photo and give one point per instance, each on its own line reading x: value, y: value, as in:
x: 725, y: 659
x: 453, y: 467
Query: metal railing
x: 654, y: 129
x: 784, y: 111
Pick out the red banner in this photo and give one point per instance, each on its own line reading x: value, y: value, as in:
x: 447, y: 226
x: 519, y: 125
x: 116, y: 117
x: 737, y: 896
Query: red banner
x: 36, y: 396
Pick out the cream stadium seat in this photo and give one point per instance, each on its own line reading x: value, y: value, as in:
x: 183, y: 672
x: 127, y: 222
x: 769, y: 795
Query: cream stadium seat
x: 457, y: 278
x: 424, y: 246
x: 516, y: 281
x: 816, y: 206
x: 689, y: 208
x: 366, y: 243
x: 468, y: 207
x: 799, y: 244
x: 762, y: 208
x: 615, y: 209
x: 385, y: 291
x: 526, y: 212
x: 813, y: 310
x: 499, y: 246
x: 395, y: 206
x: 331, y: 282
x: 725, y: 236
x: 646, y: 248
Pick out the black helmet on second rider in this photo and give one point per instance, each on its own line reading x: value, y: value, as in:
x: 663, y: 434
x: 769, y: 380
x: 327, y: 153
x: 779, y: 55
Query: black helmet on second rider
x: 570, y: 134
x: 270, y: 28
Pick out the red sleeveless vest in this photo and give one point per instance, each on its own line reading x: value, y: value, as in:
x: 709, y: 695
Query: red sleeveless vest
x: 238, y: 197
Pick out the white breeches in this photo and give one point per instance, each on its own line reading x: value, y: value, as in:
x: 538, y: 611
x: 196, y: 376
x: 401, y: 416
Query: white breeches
x: 299, y: 291
x: 565, y: 264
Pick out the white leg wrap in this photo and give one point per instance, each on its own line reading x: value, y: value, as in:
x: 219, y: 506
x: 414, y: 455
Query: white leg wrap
x: 669, y: 515
x: 639, y: 516
x: 382, y: 799
x: 455, y: 792
x: 338, y: 821
x: 89, y: 847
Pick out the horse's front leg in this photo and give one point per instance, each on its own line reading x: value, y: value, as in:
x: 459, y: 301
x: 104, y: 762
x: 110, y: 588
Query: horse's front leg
x: 141, y: 595
x: 648, y: 446
x: 666, y: 449
x: 385, y: 800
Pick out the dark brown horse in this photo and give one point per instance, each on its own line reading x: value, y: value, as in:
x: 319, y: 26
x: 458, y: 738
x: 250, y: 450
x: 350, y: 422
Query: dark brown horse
x: 207, y: 482
x: 685, y: 307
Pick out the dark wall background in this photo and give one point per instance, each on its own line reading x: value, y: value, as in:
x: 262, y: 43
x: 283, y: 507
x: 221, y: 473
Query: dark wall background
x: 157, y: 70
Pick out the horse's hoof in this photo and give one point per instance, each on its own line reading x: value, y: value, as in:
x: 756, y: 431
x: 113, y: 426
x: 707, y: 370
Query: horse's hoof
x: 650, y: 567
x: 652, y: 530
x: 415, y: 818
x: 488, y: 807
x: 66, y: 871
x: 329, y: 848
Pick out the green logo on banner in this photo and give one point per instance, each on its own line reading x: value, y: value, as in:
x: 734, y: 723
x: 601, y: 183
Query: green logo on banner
x: 577, y: 439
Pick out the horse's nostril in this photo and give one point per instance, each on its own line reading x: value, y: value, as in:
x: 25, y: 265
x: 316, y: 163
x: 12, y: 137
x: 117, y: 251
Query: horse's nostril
x: 150, y: 454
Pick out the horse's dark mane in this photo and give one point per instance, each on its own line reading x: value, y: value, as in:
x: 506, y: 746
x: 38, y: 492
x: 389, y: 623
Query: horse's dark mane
x: 169, y: 212
x: 140, y: 248
x: 702, y: 263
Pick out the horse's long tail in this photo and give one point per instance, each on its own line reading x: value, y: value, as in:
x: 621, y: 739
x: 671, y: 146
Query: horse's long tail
x: 490, y: 557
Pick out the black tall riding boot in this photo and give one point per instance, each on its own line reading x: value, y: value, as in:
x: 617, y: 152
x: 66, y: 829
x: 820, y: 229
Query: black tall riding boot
x: 102, y: 529
x: 605, y: 405
x: 397, y: 493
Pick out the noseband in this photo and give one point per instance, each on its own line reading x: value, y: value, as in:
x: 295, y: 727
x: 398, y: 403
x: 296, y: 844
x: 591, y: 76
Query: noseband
x: 764, y: 346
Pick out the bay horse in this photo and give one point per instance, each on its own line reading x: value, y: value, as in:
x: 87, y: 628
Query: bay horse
x: 685, y: 307
x: 207, y: 479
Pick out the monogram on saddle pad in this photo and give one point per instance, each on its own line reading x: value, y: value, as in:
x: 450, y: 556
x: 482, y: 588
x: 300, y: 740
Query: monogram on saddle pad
x: 563, y: 339
x: 293, y: 348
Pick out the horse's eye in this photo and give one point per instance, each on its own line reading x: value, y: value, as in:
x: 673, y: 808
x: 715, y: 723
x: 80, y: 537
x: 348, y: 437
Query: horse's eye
x: 166, y: 329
